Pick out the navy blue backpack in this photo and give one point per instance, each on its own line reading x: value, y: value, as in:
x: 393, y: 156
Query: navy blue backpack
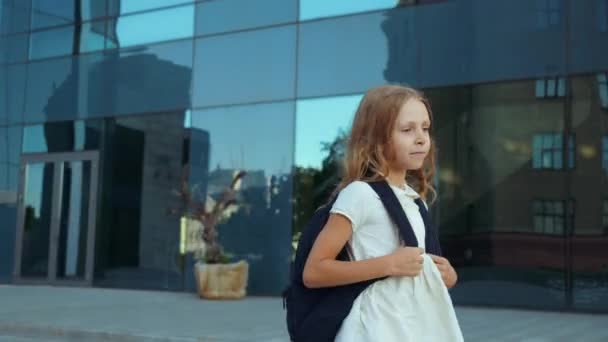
x: 315, y: 315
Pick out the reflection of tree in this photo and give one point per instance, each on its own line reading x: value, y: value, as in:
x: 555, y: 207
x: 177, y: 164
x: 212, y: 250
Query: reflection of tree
x: 258, y: 231
x: 314, y: 186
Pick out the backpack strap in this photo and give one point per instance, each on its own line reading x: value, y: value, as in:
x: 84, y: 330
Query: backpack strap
x: 431, y: 237
x: 395, y: 211
x: 406, y: 232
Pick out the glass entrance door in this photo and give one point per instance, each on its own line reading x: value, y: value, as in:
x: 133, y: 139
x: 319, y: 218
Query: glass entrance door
x: 56, y: 224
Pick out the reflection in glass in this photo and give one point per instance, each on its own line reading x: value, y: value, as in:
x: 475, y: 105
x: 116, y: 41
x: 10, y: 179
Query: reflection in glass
x: 589, y: 188
x: 144, y: 28
x: 52, y: 13
x: 62, y: 136
x: 14, y: 16
x: 310, y: 9
x: 73, y: 222
x: 147, y: 79
x: 130, y: 6
x: 37, y: 202
x: 239, y: 138
x: 142, y: 167
x: 12, y: 83
x: 54, y: 95
x: 13, y: 48
x: 51, y: 43
x: 492, y: 203
x: 220, y: 63
x: 93, y: 36
x: 231, y: 15
x: 336, y: 113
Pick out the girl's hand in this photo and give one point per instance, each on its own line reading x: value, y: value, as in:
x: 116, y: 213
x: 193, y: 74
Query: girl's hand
x: 405, y: 261
x: 448, y: 274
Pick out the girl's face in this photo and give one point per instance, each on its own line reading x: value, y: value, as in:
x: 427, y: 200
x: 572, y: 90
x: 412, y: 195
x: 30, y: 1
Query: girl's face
x: 410, y: 138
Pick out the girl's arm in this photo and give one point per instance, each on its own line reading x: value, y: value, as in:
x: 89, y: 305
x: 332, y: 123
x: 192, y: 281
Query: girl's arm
x: 323, y: 270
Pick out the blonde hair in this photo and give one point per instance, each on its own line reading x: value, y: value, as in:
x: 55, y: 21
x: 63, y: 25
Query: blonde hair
x: 368, y: 147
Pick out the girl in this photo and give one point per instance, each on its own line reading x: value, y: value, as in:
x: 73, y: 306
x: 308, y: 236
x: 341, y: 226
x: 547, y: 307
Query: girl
x: 389, y: 141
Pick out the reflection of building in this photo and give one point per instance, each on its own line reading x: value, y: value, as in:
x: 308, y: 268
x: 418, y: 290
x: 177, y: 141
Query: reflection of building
x: 521, y: 185
x: 508, y: 80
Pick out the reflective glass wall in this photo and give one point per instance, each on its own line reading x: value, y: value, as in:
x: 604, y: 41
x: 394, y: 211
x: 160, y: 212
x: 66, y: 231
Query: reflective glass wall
x: 176, y: 93
x: 519, y: 99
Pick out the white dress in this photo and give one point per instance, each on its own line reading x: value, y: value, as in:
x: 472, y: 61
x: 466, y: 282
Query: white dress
x: 397, y: 308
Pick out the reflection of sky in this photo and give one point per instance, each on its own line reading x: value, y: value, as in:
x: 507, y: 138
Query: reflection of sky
x: 33, y: 192
x: 173, y: 23
x: 130, y: 6
x: 256, y: 137
x: 310, y: 9
x: 320, y: 121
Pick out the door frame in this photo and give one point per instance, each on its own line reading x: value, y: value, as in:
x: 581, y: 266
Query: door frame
x: 57, y: 160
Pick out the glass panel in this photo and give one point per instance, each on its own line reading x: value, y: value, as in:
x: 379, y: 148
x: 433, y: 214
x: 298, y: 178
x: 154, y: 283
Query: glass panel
x: 551, y: 87
x: 12, y: 93
x: 230, y: 15
x: 586, y: 44
x: 149, y: 79
x: 54, y: 95
x: 130, y: 6
x: 37, y: 203
x: 588, y: 186
x: 223, y: 76
x: 336, y: 113
x: 557, y: 160
x: 486, y: 193
x: 561, y: 87
x: 547, y: 141
x: 8, y: 217
x: 144, y: 28
x: 13, y: 48
x: 259, y: 228
x: 47, y: 13
x: 91, y: 9
x: 310, y: 9
x: 142, y: 168
x: 93, y: 36
x: 14, y: 16
x: 51, y: 43
x: 73, y: 222
x: 10, y: 145
x: 540, y: 88
x: 62, y: 136
x: 420, y: 45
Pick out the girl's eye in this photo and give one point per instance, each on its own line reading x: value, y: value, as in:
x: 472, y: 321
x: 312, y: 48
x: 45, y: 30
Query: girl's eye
x: 407, y: 130
x: 426, y: 129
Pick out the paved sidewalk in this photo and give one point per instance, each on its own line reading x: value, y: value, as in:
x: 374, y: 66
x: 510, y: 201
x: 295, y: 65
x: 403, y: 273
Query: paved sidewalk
x: 42, y: 313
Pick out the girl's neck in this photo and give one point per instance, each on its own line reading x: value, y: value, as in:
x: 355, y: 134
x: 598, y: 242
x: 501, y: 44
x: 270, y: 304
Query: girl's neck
x: 396, y: 178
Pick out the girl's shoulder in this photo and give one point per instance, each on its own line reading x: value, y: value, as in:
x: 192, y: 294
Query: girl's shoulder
x: 358, y: 189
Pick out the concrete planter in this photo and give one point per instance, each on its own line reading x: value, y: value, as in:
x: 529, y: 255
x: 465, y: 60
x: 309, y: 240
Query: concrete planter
x: 222, y: 281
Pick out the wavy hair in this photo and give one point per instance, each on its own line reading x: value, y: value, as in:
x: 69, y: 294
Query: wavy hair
x: 369, y: 148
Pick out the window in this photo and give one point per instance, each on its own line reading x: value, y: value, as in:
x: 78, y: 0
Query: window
x: 602, y: 87
x: 551, y: 217
x: 548, y: 13
x: 547, y: 151
x: 551, y: 87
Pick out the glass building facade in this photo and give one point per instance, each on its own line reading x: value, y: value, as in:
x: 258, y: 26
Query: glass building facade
x: 108, y: 107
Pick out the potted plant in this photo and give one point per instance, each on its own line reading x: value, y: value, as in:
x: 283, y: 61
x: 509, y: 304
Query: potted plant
x: 216, y: 277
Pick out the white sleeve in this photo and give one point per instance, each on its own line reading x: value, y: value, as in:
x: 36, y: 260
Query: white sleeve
x: 351, y: 203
